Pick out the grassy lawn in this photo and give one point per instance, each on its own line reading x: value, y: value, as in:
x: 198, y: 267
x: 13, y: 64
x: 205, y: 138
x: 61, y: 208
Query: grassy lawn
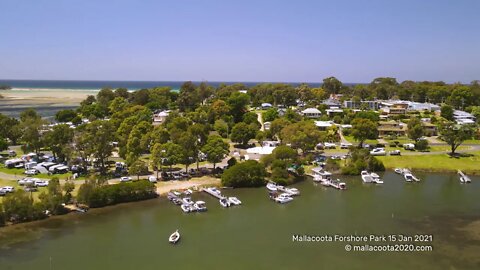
x: 401, y: 140
x: 472, y: 142
x: 352, y: 140
x: 440, y: 162
x: 337, y: 150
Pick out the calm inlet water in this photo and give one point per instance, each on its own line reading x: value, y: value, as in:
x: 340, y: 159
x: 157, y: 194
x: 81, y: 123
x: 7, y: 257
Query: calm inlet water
x: 258, y: 234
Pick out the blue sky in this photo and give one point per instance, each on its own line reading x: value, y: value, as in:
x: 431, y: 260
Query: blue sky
x: 304, y: 41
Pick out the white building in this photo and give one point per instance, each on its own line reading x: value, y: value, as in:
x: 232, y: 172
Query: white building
x: 324, y: 125
x: 311, y: 113
x: 463, y: 118
x: 161, y: 117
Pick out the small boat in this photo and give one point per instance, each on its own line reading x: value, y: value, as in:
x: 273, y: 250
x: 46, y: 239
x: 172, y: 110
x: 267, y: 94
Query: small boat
x: 177, y: 201
x: 376, y: 178
x: 292, y: 191
x: 366, y: 177
x: 398, y: 170
x: 187, y: 200
x: 234, y: 201
x: 464, y: 178
x: 174, y: 237
x: 200, y: 206
x: 280, y: 188
x: 272, y: 186
x: 338, y: 184
x: 272, y: 194
x: 283, y: 198
x: 326, y: 182
x: 224, y: 202
x: 176, y: 193
x: 188, y: 192
x: 171, y: 196
x: 409, y: 177
x: 187, y: 208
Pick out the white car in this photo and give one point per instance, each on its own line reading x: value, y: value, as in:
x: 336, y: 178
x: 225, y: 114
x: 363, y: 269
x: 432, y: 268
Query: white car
x: 345, y: 145
x: 31, y: 172
x: 152, y: 179
x: 330, y: 145
x: 26, y: 181
x: 40, y: 183
x: 8, y: 189
x: 378, y: 152
x: 125, y: 179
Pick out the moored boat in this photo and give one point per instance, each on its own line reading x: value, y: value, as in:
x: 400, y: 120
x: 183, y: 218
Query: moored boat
x: 200, y: 206
x: 272, y: 186
x: 174, y: 237
x: 292, y: 191
x: 283, y: 198
x: 376, y: 178
x: 463, y: 177
x: 187, y: 208
x: 398, y: 170
x: 366, y: 177
x: 224, y: 202
x: 234, y: 201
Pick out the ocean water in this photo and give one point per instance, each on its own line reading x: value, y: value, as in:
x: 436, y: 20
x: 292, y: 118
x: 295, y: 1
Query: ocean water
x: 97, y: 85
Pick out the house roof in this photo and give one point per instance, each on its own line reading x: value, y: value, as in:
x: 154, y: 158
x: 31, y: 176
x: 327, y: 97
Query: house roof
x: 312, y: 110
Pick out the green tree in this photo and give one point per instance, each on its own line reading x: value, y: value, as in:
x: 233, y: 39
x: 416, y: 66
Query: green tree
x: 363, y: 129
x: 63, y: 116
x: 52, y: 200
x: 415, y: 129
x: 138, y: 167
x: 242, y: 133
x: 215, y: 149
x: 20, y: 207
x: 237, y: 103
x: 332, y: 85
x: 59, y: 139
x: 303, y: 135
x: 96, y: 140
x: 454, y: 135
x: 246, y: 174
x: 446, y: 112
x: 221, y: 127
x: 270, y: 115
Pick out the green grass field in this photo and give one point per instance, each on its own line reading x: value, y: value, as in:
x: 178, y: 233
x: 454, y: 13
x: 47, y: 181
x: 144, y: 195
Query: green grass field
x: 439, y: 163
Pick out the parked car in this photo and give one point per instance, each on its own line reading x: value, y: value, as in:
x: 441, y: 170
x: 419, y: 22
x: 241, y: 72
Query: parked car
x: 409, y: 146
x: 330, y: 145
x: 345, y: 145
x: 395, y: 153
x: 125, y: 179
x: 40, y: 183
x: 25, y: 181
x: 8, y: 189
x: 2, y: 193
x: 378, y: 152
x: 30, y: 189
x: 31, y: 172
x: 152, y: 179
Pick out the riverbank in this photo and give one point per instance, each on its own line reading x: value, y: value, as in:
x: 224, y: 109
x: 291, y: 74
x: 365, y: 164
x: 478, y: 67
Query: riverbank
x: 470, y: 164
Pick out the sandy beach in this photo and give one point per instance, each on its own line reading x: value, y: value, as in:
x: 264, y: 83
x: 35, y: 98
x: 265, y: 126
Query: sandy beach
x: 165, y: 187
x: 21, y: 96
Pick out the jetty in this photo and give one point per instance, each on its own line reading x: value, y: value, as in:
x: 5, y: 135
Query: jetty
x: 463, y: 177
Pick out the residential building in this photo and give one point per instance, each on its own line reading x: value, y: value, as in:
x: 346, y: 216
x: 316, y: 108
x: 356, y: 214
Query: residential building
x: 311, y: 113
x: 463, y: 118
x: 160, y: 117
x: 386, y: 128
x: 324, y: 125
x: 368, y: 104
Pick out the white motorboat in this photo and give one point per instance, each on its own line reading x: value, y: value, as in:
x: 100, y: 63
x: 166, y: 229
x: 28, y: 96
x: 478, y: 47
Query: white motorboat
x: 366, y: 177
x: 224, y: 202
x: 187, y: 200
x: 280, y: 188
x: 200, y: 206
x: 463, y: 177
x: 272, y: 186
x: 338, y: 184
x: 398, y: 170
x: 283, y: 198
x: 234, y: 201
x: 174, y: 237
x: 319, y: 175
x: 292, y: 191
x: 188, y: 192
x: 376, y: 178
x: 176, y: 193
x: 409, y: 177
x: 187, y: 208
x: 326, y: 182
x: 177, y: 201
